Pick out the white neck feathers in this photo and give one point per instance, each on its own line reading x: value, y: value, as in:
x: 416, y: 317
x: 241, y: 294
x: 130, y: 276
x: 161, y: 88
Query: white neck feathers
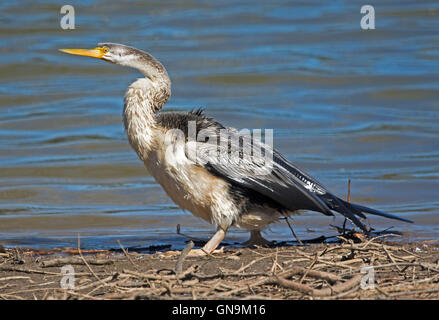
x: 143, y: 99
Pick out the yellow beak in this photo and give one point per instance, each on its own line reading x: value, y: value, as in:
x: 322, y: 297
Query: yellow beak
x: 97, y: 52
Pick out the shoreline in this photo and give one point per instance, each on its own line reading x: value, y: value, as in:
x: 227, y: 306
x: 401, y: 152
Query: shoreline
x: 372, y: 268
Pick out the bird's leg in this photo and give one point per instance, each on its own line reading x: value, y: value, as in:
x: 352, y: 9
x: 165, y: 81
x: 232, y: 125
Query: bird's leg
x: 256, y: 239
x: 211, y: 245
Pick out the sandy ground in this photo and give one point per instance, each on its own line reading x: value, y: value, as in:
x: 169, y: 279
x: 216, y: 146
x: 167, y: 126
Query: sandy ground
x: 372, y: 268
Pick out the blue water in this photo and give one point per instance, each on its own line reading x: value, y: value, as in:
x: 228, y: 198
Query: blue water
x: 344, y: 103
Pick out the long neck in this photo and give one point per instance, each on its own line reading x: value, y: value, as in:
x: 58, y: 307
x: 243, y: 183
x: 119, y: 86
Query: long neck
x: 143, y: 99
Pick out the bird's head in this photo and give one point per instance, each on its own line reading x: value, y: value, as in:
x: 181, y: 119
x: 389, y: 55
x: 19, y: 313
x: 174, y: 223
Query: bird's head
x: 125, y: 56
x: 111, y: 52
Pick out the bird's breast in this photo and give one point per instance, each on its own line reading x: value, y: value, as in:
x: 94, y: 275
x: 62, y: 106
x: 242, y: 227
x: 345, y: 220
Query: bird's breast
x: 189, y: 185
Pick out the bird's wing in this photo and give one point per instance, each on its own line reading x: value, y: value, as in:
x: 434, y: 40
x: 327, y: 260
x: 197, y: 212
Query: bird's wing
x: 250, y: 163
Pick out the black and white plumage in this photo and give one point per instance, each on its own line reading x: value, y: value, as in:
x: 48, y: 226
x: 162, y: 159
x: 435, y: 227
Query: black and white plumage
x: 217, y: 182
x: 284, y: 188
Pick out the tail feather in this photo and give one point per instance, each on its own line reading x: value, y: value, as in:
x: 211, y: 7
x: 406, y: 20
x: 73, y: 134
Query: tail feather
x: 353, y: 211
x: 376, y: 212
x: 343, y: 207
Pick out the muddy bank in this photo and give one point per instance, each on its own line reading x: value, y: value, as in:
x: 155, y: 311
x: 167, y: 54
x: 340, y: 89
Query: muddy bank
x: 370, y: 269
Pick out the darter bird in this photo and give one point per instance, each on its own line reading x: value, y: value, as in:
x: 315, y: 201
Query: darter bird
x: 248, y: 190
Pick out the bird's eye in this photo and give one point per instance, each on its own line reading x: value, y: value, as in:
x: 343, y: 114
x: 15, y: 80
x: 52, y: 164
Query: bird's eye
x: 105, y: 49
